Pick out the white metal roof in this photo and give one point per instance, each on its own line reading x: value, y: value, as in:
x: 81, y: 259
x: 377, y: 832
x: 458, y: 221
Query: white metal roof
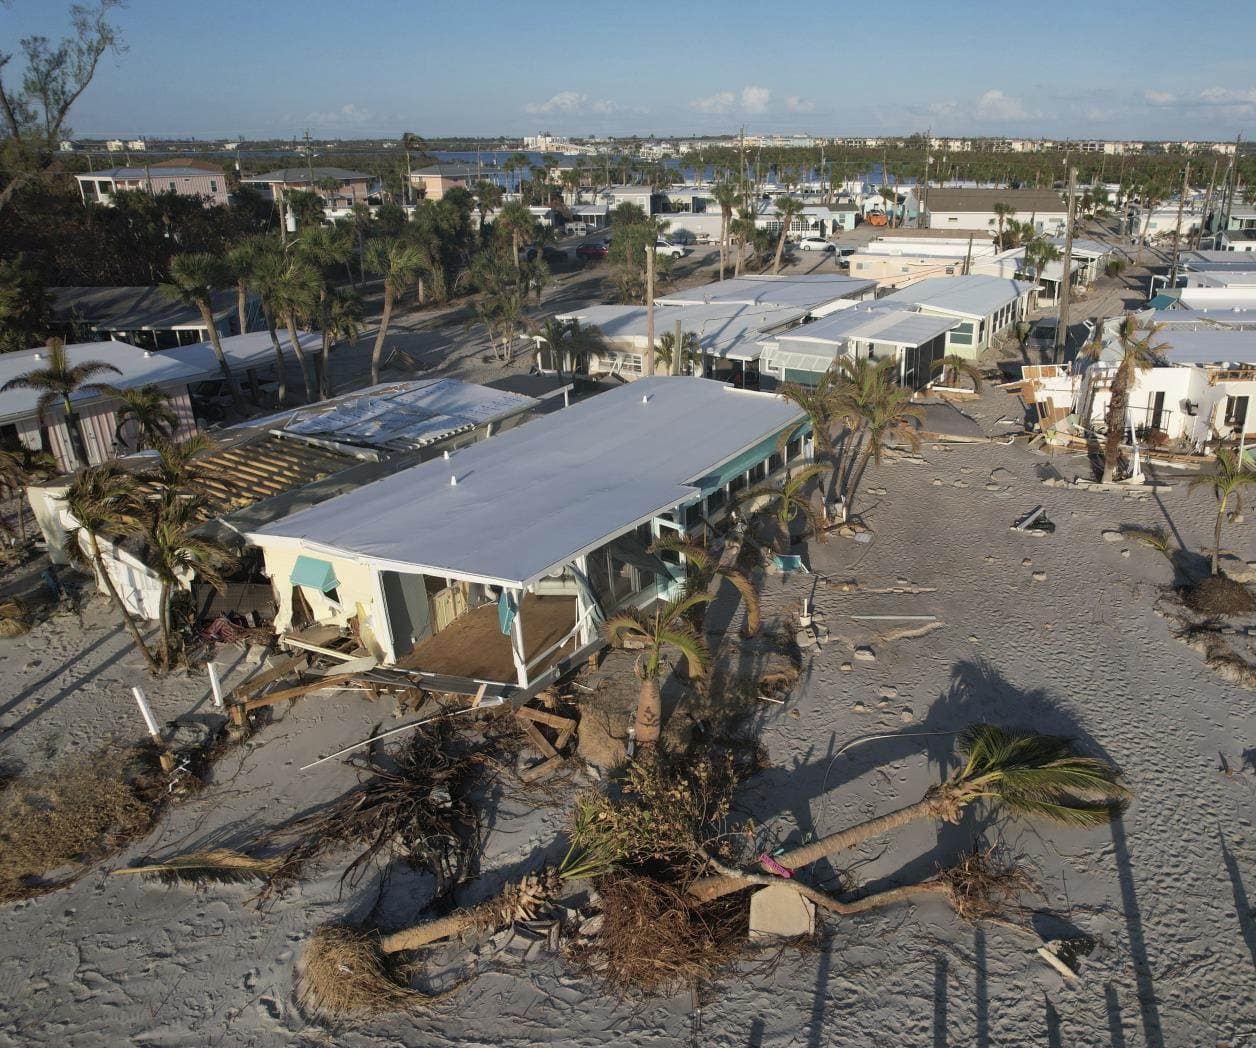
x: 137, y: 367
x: 1210, y: 347
x: 719, y: 326
x: 900, y: 327
x: 808, y: 292
x: 529, y: 500
x: 970, y: 296
x: 250, y: 350
x: 404, y: 416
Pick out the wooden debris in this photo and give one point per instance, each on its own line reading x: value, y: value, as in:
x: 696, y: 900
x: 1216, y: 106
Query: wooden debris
x: 255, y: 684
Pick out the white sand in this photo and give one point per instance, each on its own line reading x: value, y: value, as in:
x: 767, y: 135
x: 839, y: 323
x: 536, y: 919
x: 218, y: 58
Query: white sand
x: 114, y: 960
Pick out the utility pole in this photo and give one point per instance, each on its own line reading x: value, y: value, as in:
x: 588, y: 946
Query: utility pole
x: 1212, y: 184
x: 1177, y: 228
x: 1233, y: 184
x: 1066, y: 285
x: 649, y: 307
x: 309, y: 159
x: 678, y: 352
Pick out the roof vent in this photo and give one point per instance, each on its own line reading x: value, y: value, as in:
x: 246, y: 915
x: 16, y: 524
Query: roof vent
x: 37, y: 356
x: 645, y: 398
x: 453, y: 481
x: 148, y: 353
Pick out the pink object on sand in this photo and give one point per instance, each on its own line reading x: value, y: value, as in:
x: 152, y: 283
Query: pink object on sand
x: 772, y: 866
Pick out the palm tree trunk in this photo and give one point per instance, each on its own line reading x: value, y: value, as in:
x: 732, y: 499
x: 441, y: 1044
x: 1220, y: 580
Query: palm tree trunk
x: 127, y: 619
x: 649, y: 713
x: 242, y: 307
x: 164, y: 622
x: 296, y: 348
x: 78, y: 449
x: 780, y: 249
x: 707, y: 888
x: 207, y: 317
x: 1116, y: 430
x: 1216, y: 538
x: 282, y: 391
x: 378, y: 349
x: 433, y: 931
x: 324, y: 361
x: 856, y: 477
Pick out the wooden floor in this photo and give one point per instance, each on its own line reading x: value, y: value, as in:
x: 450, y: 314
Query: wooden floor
x: 475, y: 647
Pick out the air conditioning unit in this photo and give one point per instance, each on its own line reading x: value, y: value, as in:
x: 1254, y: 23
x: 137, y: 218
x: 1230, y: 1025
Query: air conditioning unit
x: 1190, y: 407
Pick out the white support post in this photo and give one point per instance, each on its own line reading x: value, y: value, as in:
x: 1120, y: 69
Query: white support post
x: 582, y: 609
x: 150, y: 722
x: 517, y: 650
x: 215, y: 685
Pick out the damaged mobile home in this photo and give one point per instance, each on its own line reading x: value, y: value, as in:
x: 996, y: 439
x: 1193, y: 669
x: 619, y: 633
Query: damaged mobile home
x: 496, y: 566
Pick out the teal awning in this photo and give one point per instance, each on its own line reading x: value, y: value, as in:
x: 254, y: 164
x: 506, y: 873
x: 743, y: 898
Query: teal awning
x: 313, y: 573
x: 507, y: 609
x: 734, y: 468
x: 1163, y: 301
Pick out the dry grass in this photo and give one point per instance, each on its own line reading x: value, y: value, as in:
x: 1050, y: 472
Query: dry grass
x: 981, y: 886
x: 655, y: 940
x: 345, y: 975
x: 1218, y: 595
x: 80, y: 811
x: 14, y: 619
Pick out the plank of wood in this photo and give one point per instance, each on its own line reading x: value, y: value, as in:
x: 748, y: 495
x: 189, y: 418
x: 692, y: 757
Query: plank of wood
x: 539, y: 741
x: 563, y: 738
x: 296, y: 692
x: 255, y: 684
x: 538, y: 771
x: 552, y: 720
x: 479, y: 694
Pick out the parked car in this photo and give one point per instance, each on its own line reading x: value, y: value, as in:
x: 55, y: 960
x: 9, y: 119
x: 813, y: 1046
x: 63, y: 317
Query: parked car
x: 550, y: 253
x: 576, y: 229
x: 844, y: 250
x: 816, y: 244
x: 591, y: 251
x: 666, y: 247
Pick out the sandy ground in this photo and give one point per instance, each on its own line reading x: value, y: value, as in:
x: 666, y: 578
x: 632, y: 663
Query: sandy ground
x: 1166, y: 890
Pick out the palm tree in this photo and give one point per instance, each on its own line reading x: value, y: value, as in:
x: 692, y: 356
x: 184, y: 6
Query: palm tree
x: 102, y: 501
x: 20, y: 467
x: 193, y: 280
x: 175, y: 551
x: 726, y: 195
x: 1227, y: 483
x: 343, y: 324
x: 784, y: 502
x: 667, y: 626
x: 399, y: 263
x: 787, y: 208
x: 953, y: 367
x: 569, y: 342
x: 488, y: 197
x: 1002, y: 213
x: 1138, y: 352
x: 148, y: 408
x: 877, y: 409
x: 242, y: 262
x: 291, y: 287
x: 516, y: 222
x: 820, y: 403
x: 691, y: 354
x: 703, y: 570
x: 742, y: 230
x: 1035, y: 776
x: 59, y: 380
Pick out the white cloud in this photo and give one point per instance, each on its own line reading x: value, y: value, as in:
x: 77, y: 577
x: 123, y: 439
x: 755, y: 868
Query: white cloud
x: 348, y: 115
x: 720, y: 102
x: 1226, y: 96
x: 1160, y: 98
x: 571, y: 102
x: 799, y: 105
x: 755, y: 99
x: 995, y: 105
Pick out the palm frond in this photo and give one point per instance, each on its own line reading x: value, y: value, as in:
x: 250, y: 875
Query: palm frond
x: 749, y: 596
x: 685, y: 640
x: 215, y: 866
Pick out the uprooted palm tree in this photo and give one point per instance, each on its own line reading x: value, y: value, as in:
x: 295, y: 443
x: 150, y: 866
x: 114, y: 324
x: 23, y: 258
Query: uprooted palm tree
x: 783, y: 503
x: 703, y: 570
x: 667, y: 626
x: 147, y: 411
x: 953, y: 367
x: 351, y: 971
x: 59, y: 380
x: 1031, y: 775
x: 102, y: 500
x: 1227, y: 485
x: 194, y: 279
x: 1137, y: 351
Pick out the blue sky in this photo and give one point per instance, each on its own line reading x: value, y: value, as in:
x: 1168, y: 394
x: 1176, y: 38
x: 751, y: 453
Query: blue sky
x: 260, y: 68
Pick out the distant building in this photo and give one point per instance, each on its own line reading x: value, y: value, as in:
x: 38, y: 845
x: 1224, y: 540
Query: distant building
x: 353, y: 187
x: 137, y: 144
x: 974, y: 208
x: 143, y: 316
x: 434, y: 181
x: 115, y: 145
x: 99, y: 187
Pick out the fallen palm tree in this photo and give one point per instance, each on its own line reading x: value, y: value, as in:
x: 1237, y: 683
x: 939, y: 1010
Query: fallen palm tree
x: 214, y: 866
x: 1031, y: 775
